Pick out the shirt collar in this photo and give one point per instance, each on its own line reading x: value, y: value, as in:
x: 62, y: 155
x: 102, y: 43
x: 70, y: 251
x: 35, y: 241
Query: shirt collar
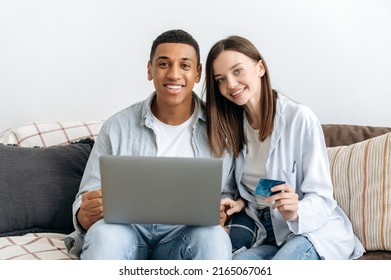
x: 147, y: 115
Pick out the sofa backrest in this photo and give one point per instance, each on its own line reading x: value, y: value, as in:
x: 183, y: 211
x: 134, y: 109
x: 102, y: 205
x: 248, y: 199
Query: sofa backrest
x: 61, y: 133
x: 343, y: 135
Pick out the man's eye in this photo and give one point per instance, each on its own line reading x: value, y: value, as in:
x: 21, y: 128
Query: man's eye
x: 186, y: 66
x: 163, y: 64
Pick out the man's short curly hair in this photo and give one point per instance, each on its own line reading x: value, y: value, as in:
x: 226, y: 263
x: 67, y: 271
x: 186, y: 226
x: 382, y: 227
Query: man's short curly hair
x: 175, y: 36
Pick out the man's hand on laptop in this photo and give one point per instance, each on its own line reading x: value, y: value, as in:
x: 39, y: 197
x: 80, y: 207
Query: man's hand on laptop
x: 91, y: 208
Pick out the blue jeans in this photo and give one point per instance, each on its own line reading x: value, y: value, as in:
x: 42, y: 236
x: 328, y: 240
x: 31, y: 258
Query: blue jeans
x: 296, y: 248
x: 155, y: 241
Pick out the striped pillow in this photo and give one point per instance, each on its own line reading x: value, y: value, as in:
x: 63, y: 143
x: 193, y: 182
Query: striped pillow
x: 361, y: 174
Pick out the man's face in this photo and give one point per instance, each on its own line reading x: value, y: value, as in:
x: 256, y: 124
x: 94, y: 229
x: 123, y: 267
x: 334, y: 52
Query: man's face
x: 174, y: 72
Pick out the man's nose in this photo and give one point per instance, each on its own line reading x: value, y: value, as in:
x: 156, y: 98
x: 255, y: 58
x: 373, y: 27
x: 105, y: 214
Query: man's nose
x: 174, y: 73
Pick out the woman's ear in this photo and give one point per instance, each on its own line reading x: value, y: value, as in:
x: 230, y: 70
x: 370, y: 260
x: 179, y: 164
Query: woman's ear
x: 262, y: 69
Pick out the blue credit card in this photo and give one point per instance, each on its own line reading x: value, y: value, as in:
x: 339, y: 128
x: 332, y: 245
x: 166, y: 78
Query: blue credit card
x: 264, y: 185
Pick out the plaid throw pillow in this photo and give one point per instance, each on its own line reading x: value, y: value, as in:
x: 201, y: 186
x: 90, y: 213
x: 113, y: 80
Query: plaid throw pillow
x: 51, y: 134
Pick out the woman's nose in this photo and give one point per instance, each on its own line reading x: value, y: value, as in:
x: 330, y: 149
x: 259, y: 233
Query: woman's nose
x: 232, y: 83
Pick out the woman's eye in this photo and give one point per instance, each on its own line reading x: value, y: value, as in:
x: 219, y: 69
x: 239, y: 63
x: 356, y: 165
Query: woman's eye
x: 237, y: 71
x: 219, y: 80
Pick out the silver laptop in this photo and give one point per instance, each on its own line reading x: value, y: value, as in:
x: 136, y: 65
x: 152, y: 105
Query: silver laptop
x: 161, y: 190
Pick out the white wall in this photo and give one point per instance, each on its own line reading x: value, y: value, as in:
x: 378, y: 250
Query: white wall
x: 84, y: 60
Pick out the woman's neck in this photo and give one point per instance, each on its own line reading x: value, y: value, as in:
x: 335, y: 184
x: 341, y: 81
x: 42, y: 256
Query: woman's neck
x: 253, y: 113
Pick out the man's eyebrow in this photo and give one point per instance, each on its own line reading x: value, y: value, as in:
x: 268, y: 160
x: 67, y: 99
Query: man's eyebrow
x: 162, y: 57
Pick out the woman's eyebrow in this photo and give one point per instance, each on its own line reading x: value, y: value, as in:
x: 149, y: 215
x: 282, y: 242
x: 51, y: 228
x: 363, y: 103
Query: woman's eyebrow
x: 216, y: 75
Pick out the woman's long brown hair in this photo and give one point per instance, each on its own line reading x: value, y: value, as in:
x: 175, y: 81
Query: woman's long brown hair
x: 225, y: 118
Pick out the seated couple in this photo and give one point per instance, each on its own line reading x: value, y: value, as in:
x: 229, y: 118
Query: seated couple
x: 258, y: 132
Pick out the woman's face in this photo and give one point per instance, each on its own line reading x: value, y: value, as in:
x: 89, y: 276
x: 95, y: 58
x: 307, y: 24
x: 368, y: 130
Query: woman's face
x: 238, y: 77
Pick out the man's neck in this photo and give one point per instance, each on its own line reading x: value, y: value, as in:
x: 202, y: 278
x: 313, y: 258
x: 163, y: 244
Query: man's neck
x: 172, y: 115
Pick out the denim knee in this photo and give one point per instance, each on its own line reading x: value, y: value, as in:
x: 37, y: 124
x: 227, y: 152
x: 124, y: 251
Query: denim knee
x: 262, y: 252
x: 110, y: 241
x: 297, y: 248
x: 209, y: 243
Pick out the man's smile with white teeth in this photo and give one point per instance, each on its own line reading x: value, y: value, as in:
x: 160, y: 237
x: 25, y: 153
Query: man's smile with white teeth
x: 174, y: 86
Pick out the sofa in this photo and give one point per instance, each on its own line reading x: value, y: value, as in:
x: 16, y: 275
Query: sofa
x: 41, y: 165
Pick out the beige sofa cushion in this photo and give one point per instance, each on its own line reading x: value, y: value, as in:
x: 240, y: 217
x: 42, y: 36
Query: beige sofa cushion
x: 361, y: 175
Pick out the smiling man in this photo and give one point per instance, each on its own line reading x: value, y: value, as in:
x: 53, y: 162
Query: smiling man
x: 169, y: 123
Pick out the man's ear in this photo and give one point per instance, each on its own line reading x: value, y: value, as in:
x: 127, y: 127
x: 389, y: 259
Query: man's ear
x: 262, y: 69
x: 149, y: 66
x: 199, y: 72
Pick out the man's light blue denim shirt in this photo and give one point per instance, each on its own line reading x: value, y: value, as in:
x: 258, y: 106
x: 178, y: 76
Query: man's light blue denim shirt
x: 129, y: 132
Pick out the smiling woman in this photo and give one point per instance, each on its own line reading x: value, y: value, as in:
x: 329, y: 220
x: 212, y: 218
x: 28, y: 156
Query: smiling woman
x: 247, y: 116
x: 234, y: 78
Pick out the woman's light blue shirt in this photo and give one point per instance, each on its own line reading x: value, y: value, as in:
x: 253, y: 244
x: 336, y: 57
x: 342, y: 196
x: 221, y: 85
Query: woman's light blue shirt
x: 298, y: 156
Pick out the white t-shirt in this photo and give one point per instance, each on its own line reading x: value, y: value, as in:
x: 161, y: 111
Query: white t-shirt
x: 175, y: 140
x: 254, y: 166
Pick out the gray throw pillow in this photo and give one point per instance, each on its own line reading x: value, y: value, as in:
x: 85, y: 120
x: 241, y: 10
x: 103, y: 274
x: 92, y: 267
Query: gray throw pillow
x: 38, y: 187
